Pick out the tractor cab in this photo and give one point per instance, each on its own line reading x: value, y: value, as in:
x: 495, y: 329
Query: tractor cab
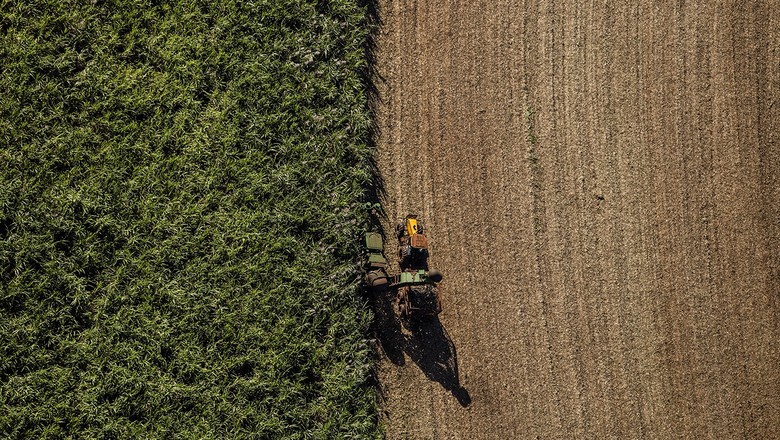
x: 413, y: 245
x: 411, y: 225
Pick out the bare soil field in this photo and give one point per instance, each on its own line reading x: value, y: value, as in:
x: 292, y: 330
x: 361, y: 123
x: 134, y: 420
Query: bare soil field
x: 600, y: 182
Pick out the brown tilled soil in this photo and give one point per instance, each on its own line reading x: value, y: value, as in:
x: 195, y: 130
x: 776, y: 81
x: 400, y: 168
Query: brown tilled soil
x: 601, y: 187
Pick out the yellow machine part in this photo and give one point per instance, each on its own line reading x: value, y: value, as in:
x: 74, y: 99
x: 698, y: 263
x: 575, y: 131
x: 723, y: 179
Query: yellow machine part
x: 411, y: 226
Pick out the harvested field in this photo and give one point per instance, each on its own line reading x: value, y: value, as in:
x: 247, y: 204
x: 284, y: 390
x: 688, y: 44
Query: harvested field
x: 601, y: 186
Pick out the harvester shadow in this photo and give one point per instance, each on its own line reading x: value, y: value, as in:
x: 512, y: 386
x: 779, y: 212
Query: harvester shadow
x: 388, y: 329
x: 432, y: 349
x: 428, y: 345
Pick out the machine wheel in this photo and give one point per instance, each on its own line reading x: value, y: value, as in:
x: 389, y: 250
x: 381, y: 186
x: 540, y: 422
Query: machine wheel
x: 399, y: 230
x: 403, y: 305
x: 403, y: 310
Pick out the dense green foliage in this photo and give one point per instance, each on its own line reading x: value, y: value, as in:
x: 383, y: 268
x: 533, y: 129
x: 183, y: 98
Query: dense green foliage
x: 181, y: 188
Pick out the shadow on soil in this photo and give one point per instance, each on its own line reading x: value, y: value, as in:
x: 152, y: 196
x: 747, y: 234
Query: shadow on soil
x: 428, y: 345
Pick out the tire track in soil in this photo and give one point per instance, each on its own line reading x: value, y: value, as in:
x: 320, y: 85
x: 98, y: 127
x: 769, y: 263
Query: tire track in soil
x: 600, y: 185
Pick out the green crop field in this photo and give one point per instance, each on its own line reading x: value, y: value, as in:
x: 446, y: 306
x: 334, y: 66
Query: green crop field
x: 182, y: 188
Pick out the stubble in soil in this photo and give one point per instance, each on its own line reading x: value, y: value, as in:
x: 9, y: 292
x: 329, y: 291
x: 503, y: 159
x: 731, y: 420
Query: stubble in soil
x: 600, y: 187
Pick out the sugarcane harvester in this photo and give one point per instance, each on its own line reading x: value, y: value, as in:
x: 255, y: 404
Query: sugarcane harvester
x: 416, y: 287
